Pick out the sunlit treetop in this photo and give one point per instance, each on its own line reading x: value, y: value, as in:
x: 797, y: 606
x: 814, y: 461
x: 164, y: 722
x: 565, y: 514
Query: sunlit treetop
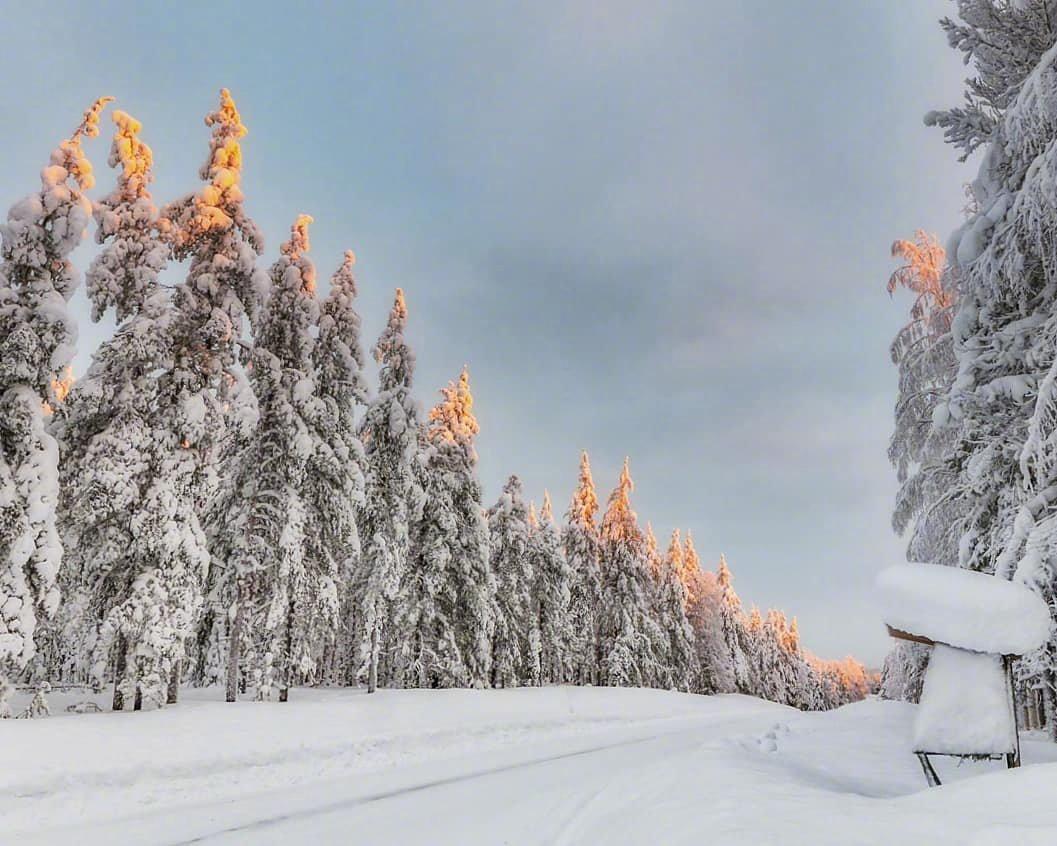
x: 70, y: 156
x: 547, y: 510
x: 584, y: 506
x: 452, y: 419
x: 620, y: 522
x: 922, y: 273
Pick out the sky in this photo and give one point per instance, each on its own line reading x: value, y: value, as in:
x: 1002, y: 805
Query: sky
x: 657, y: 230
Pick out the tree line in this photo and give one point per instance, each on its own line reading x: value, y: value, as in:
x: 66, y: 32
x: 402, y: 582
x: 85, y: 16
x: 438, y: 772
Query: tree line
x: 223, y: 498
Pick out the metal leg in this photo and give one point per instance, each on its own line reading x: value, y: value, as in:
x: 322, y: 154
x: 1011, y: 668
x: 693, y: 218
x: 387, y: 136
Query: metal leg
x: 1013, y: 758
x: 930, y: 773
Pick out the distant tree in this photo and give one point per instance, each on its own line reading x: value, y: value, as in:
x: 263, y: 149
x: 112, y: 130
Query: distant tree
x: 738, y: 641
x: 508, y: 526
x: 37, y: 335
x: 628, y: 632
x: 673, y: 600
x: 903, y: 672
x: 580, y: 539
x: 552, y: 589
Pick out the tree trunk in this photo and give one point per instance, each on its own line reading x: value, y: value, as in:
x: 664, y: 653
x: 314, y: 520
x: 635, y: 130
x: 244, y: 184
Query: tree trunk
x: 173, y: 693
x: 119, y: 673
x: 137, y: 702
x: 287, y: 670
x: 1049, y: 706
x: 232, y: 680
x: 372, y: 673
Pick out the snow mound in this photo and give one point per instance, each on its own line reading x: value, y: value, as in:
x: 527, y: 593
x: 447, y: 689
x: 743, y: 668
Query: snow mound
x: 964, y: 705
x: 963, y: 608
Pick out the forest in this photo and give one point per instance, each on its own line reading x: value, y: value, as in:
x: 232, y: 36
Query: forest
x: 224, y: 499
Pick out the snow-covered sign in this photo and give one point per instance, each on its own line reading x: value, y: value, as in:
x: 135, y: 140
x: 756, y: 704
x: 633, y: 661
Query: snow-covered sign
x: 963, y: 609
x: 976, y: 624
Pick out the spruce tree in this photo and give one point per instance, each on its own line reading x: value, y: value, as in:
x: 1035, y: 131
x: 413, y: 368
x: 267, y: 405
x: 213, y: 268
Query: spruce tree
x: 627, y: 632
x: 581, y: 542
x: 508, y: 526
x: 290, y: 598
x: 448, y: 601
x: 211, y: 229
x: 735, y: 637
x: 714, y: 672
x: 681, y: 668
x: 393, y: 502
x: 37, y: 336
x: 106, y: 426
x: 335, y: 479
x: 553, y: 592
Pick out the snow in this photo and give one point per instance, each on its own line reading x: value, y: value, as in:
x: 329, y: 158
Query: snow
x: 964, y: 705
x: 963, y: 608
x: 532, y: 765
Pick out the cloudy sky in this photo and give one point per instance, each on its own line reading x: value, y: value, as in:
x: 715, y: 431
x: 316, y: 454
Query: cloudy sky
x: 650, y: 229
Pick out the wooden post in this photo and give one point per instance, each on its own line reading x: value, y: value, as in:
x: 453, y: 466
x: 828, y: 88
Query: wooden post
x: 1013, y: 758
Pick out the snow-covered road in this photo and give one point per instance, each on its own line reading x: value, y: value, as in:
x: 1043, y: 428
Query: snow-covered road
x: 525, y: 766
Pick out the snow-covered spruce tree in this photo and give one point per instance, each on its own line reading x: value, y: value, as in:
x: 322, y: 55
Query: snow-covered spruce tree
x: 288, y: 599
x: 552, y: 598
x: 628, y: 633
x: 681, y: 667
x: 733, y: 626
x: 508, y: 526
x: 334, y: 484
x: 209, y: 228
x: 224, y: 522
x: 1003, y: 401
x: 37, y: 337
x: 903, y: 672
x: 753, y: 648
x: 105, y: 427
x: 581, y: 542
x: 715, y: 672
x: 393, y: 502
x: 447, y: 604
x: 532, y: 670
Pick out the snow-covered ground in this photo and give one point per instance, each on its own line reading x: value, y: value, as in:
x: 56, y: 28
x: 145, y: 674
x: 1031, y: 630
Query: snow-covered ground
x: 555, y: 765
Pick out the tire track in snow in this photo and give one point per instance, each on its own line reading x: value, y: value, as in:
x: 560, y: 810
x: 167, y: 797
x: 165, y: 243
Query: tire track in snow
x: 367, y: 799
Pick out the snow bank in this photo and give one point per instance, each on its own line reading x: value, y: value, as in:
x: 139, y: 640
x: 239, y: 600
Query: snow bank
x: 964, y: 705
x: 963, y: 608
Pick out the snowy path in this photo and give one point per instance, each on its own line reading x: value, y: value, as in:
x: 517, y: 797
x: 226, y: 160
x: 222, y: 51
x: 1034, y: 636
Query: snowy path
x: 559, y: 766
